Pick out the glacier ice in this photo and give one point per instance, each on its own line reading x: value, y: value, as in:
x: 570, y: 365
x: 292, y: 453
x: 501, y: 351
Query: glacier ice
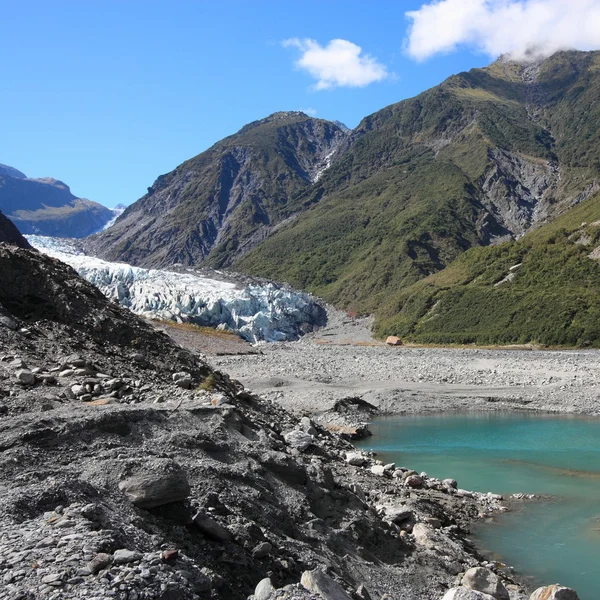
x: 257, y: 312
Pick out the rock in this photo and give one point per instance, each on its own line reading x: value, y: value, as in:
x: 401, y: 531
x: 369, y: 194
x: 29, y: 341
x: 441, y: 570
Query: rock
x: 413, y: 481
x: 486, y: 581
x: 398, y: 514
x: 554, y: 592
x: 318, y: 582
x: 18, y: 363
x: 99, y: 562
x: 299, y: 439
x: 450, y: 483
x: 307, y: 426
x: 463, y: 593
x: 123, y: 556
x: 378, y: 470
x: 264, y: 589
x: 263, y: 549
x: 25, y: 376
x: 183, y: 380
x: 356, y: 459
x: 8, y: 323
x: 211, y: 529
x: 392, y: 340
x: 362, y: 593
x: 423, y: 535
x: 53, y: 579
x: 155, y: 488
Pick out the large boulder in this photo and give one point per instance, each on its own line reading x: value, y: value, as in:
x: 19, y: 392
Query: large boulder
x: 486, y: 581
x: 163, y: 482
x: 319, y: 582
x: 393, y: 340
x: 463, y: 593
x: 554, y: 592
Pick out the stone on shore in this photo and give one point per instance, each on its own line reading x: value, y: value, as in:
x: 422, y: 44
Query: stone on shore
x: 486, y: 581
x: 299, y: 439
x: 463, y: 593
x: 554, y: 592
x: 264, y: 589
x: 393, y: 340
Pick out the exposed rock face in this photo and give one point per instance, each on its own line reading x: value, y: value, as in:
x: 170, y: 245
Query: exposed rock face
x: 47, y: 207
x: 9, y: 234
x: 220, y: 204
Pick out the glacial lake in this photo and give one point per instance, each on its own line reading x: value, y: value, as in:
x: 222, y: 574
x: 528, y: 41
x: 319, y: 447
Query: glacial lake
x: 553, y: 541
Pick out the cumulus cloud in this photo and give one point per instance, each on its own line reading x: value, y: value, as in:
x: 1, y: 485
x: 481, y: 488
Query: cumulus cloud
x: 522, y: 29
x: 338, y: 64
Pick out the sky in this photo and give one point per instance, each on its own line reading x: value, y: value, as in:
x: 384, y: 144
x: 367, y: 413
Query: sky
x: 106, y: 95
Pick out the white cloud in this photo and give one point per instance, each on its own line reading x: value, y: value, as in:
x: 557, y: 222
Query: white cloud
x: 520, y: 28
x: 311, y: 112
x: 338, y: 64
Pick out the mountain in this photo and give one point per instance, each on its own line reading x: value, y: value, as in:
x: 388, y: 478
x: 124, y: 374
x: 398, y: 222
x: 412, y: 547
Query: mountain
x: 223, y: 202
x: 484, y: 158
x: 47, y: 207
x: 9, y: 234
x: 540, y: 289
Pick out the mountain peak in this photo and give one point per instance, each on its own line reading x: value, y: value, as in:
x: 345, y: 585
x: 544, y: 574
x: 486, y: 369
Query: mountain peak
x: 11, y: 172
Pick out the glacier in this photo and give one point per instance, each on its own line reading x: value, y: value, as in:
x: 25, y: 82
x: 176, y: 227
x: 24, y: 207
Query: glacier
x: 258, y: 312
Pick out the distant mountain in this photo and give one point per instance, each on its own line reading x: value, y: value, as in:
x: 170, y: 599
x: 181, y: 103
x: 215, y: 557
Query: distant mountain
x: 6, y: 170
x: 217, y: 206
x: 360, y: 216
x: 47, y: 207
x: 9, y: 234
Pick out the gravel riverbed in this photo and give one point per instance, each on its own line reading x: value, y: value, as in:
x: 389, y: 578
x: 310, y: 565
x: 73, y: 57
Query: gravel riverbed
x: 342, y: 360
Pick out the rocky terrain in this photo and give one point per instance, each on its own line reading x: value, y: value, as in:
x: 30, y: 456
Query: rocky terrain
x: 132, y: 470
x: 46, y: 206
x: 342, y: 360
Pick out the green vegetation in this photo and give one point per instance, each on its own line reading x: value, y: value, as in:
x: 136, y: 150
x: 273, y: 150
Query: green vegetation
x: 552, y: 298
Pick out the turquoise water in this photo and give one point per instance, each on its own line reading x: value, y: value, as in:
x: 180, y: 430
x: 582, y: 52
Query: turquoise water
x: 554, y: 541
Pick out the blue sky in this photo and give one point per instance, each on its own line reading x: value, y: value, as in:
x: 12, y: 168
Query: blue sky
x: 107, y: 95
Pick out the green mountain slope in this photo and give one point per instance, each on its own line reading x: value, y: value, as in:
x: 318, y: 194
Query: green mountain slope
x: 484, y: 157
x: 544, y: 288
x: 216, y: 206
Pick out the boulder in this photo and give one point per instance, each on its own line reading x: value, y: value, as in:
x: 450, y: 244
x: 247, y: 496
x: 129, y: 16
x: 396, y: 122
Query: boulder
x: 264, y: 589
x: 25, y: 376
x: 123, y: 556
x: 319, y: 582
x: 262, y: 550
x: 211, y: 529
x: 183, y: 379
x: 484, y: 580
x: 378, y: 470
x: 165, y: 483
x: 392, y: 340
x: 463, y: 593
x: 413, y: 481
x: 357, y: 459
x: 554, y: 592
x: 450, y: 483
x: 299, y: 439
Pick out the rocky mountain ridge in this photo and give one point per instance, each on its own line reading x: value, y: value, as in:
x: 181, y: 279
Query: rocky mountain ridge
x: 46, y: 206
x: 222, y: 203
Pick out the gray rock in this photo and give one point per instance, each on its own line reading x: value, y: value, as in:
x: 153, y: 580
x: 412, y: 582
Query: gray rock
x: 307, y: 426
x: 211, y: 529
x: 263, y: 549
x: 554, y: 592
x: 378, y: 470
x: 183, y: 379
x: 25, y: 376
x: 123, y: 556
x: 484, y: 580
x: 318, y: 582
x: 463, y: 593
x: 450, y: 483
x: 299, y: 439
x: 357, y: 459
x: 414, y: 481
x: 99, y: 562
x: 154, y: 488
x: 264, y: 589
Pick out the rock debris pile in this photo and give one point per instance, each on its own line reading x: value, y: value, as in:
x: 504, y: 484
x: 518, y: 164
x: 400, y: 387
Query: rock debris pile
x: 116, y: 481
